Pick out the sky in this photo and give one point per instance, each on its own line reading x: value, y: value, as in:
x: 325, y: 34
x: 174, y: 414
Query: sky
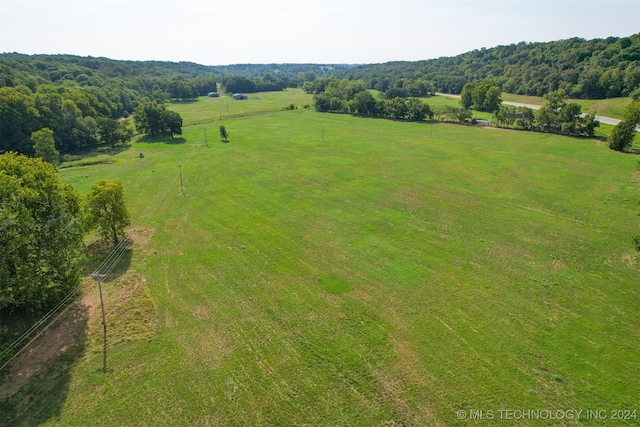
x: 222, y: 32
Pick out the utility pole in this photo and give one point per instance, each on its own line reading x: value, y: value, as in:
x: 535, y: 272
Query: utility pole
x: 205, y: 138
x: 104, y: 327
x: 99, y: 278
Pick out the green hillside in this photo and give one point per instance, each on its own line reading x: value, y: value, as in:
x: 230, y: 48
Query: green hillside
x: 325, y: 269
x: 589, y: 69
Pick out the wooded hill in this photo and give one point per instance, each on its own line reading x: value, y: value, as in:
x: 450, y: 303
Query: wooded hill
x: 76, y: 97
x: 119, y: 84
x: 589, y: 69
x: 72, y: 95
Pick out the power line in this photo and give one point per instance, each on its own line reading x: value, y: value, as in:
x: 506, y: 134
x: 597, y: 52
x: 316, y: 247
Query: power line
x: 75, y: 294
x: 100, y: 273
x: 110, y: 262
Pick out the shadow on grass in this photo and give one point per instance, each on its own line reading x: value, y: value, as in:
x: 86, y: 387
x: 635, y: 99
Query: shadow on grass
x: 79, y: 158
x: 35, y: 386
x: 99, y: 254
x: 183, y: 101
x: 98, y: 150
x: 163, y: 139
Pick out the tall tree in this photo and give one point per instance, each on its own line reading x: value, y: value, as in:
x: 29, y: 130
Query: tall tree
x: 322, y: 102
x: 548, y: 116
x: 113, y: 132
x: 152, y: 118
x: 148, y: 117
x: 18, y: 119
x: 171, y: 122
x: 492, y: 99
x: 69, y: 124
x: 625, y: 131
x: 205, y: 84
x: 396, y: 108
x: 105, y: 209
x: 180, y: 88
x: 41, y: 237
x: 44, y: 146
x: 466, y: 95
x: 418, y: 110
x: 363, y: 103
x: 482, y: 96
x: 239, y: 84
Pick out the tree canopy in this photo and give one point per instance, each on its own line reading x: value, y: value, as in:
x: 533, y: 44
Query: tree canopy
x: 44, y: 146
x: 598, y: 68
x: 559, y: 116
x: 153, y: 118
x: 114, y: 132
x: 106, y: 210
x: 341, y: 96
x: 73, y: 95
x: 40, y: 235
x: 481, y: 96
x: 625, y: 131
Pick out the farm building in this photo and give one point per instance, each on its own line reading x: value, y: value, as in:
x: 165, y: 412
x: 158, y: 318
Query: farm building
x: 239, y: 96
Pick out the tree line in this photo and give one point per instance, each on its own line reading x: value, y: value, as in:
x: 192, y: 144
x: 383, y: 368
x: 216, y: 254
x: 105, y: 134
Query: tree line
x: 81, y: 99
x: 334, y: 95
x: 331, y: 94
x: 41, y: 237
x: 590, y: 69
x: 43, y: 223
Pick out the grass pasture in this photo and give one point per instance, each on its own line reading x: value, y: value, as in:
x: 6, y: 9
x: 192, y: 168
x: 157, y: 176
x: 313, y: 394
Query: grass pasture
x: 206, y: 110
x: 332, y: 270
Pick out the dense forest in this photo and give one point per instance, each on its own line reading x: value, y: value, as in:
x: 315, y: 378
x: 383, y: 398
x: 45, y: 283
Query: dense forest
x: 589, y: 69
x: 79, y: 98
x: 114, y: 87
x: 291, y: 71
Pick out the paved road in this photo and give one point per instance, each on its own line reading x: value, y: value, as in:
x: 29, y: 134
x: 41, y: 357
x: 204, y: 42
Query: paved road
x: 601, y: 119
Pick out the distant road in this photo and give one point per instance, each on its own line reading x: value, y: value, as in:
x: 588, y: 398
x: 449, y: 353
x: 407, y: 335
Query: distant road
x: 601, y: 119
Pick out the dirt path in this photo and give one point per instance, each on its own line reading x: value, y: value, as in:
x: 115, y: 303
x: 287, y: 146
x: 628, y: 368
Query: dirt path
x: 67, y: 334
x: 78, y: 330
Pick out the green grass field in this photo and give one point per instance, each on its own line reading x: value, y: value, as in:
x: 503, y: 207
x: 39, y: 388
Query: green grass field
x: 206, y: 110
x: 331, y: 270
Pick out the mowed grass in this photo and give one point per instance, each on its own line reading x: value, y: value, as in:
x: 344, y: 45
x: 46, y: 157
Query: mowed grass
x: 377, y: 277
x: 207, y: 110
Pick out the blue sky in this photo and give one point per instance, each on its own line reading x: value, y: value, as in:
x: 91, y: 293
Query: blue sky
x: 219, y: 32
